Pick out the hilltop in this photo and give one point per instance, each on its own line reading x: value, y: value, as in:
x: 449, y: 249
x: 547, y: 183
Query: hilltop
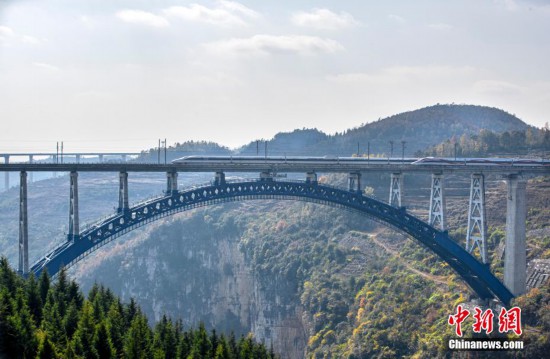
x: 419, y: 128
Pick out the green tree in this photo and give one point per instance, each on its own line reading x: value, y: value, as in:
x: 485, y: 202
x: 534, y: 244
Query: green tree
x: 46, y: 349
x: 137, y: 343
x: 102, y: 343
x: 82, y: 341
x: 44, y: 285
x: 34, y: 299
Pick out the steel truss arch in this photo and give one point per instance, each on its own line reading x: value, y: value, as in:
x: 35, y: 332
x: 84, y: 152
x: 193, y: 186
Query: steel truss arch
x: 474, y: 273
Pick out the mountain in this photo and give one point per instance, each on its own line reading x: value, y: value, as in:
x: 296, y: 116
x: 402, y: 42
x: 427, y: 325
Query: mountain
x: 419, y: 129
x: 424, y: 127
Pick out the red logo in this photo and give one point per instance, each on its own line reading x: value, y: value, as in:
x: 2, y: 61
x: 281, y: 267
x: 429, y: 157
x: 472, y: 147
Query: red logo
x: 508, y: 320
x: 458, y: 318
x: 483, y: 321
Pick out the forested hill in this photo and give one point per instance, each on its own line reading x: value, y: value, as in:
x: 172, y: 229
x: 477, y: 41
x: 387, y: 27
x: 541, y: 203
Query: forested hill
x: 40, y: 319
x: 419, y: 128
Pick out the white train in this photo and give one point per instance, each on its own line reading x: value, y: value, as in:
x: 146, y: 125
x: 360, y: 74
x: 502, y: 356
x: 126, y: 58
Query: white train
x: 482, y: 161
x: 288, y: 159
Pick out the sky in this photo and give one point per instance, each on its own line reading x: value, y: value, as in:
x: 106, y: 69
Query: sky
x: 118, y: 75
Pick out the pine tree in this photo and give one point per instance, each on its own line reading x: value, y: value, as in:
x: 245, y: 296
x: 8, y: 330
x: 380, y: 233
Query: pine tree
x: 115, y: 326
x: 44, y: 285
x: 201, y: 342
x: 34, y: 299
x: 46, y: 349
x: 52, y: 322
x: 22, y: 327
x: 82, y: 341
x: 8, y: 278
x: 165, y: 338
x: 70, y: 322
x: 61, y: 291
x: 137, y: 341
x: 102, y: 343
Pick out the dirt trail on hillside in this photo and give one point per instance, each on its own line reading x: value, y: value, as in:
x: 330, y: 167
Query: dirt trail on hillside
x: 435, y: 278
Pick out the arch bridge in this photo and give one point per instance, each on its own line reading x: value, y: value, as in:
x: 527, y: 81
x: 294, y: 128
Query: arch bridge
x: 432, y: 234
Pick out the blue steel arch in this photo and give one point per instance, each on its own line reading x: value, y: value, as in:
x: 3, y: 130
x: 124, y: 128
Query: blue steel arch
x: 474, y: 273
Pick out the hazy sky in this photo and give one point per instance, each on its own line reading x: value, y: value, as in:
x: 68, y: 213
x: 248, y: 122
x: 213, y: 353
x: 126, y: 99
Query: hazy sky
x: 117, y: 75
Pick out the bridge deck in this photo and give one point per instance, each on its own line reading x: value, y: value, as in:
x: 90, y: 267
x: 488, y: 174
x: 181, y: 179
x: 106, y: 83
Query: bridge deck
x: 282, y: 165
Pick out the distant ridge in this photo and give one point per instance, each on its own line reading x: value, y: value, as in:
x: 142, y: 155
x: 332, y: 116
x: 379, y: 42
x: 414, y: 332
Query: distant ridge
x: 419, y: 128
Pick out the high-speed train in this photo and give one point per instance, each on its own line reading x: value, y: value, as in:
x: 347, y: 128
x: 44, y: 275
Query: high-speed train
x: 288, y: 159
x: 328, y: 160
x: 482, y: 161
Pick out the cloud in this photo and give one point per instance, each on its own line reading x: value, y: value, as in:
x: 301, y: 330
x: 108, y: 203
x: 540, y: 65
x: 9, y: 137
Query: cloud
x: 140, y: 17
x: 270, y: 44
x: 225, y: 13
x: 440, y: 26
x: 396, y: 18
x: 399, y: 74
x: 324, y: 19
x: 7, y: 35
x: 514, y: 5
x: 6, y: 32
x: 29, y: 40
x: 495, y: 87
x: 46, y: 67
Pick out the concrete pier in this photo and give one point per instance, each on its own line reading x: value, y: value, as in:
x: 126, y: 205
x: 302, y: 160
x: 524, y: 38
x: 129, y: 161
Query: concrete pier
x: 515, y: 267
x: 31, y: 160
x: 354, y: 182
x: 6, y: 174
x: 220, y: 178
x: 23, y: 225
x: 74, y: 225
x: 311, y: 177
x: 171, y: 182
x: 123, y: 205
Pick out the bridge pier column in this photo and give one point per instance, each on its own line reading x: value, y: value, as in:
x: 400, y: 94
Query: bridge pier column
x: 55, y: 160
x: 311, y: 177
x: 171, y: 182
x: 515, y: 251
x: 23, y: 225
x: 475, y: 236
x: 437, y: 202
x: 6, y: 174
x: 123, y: 158
x: 219, y: 179
x: 77, y: 158
x: 74, y: 226
x: 396, y: 187
x: 266, y: 176
x: 354, y: 182
x: 123, y: 192
x: 100, y: 158
x: 31, y: 160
